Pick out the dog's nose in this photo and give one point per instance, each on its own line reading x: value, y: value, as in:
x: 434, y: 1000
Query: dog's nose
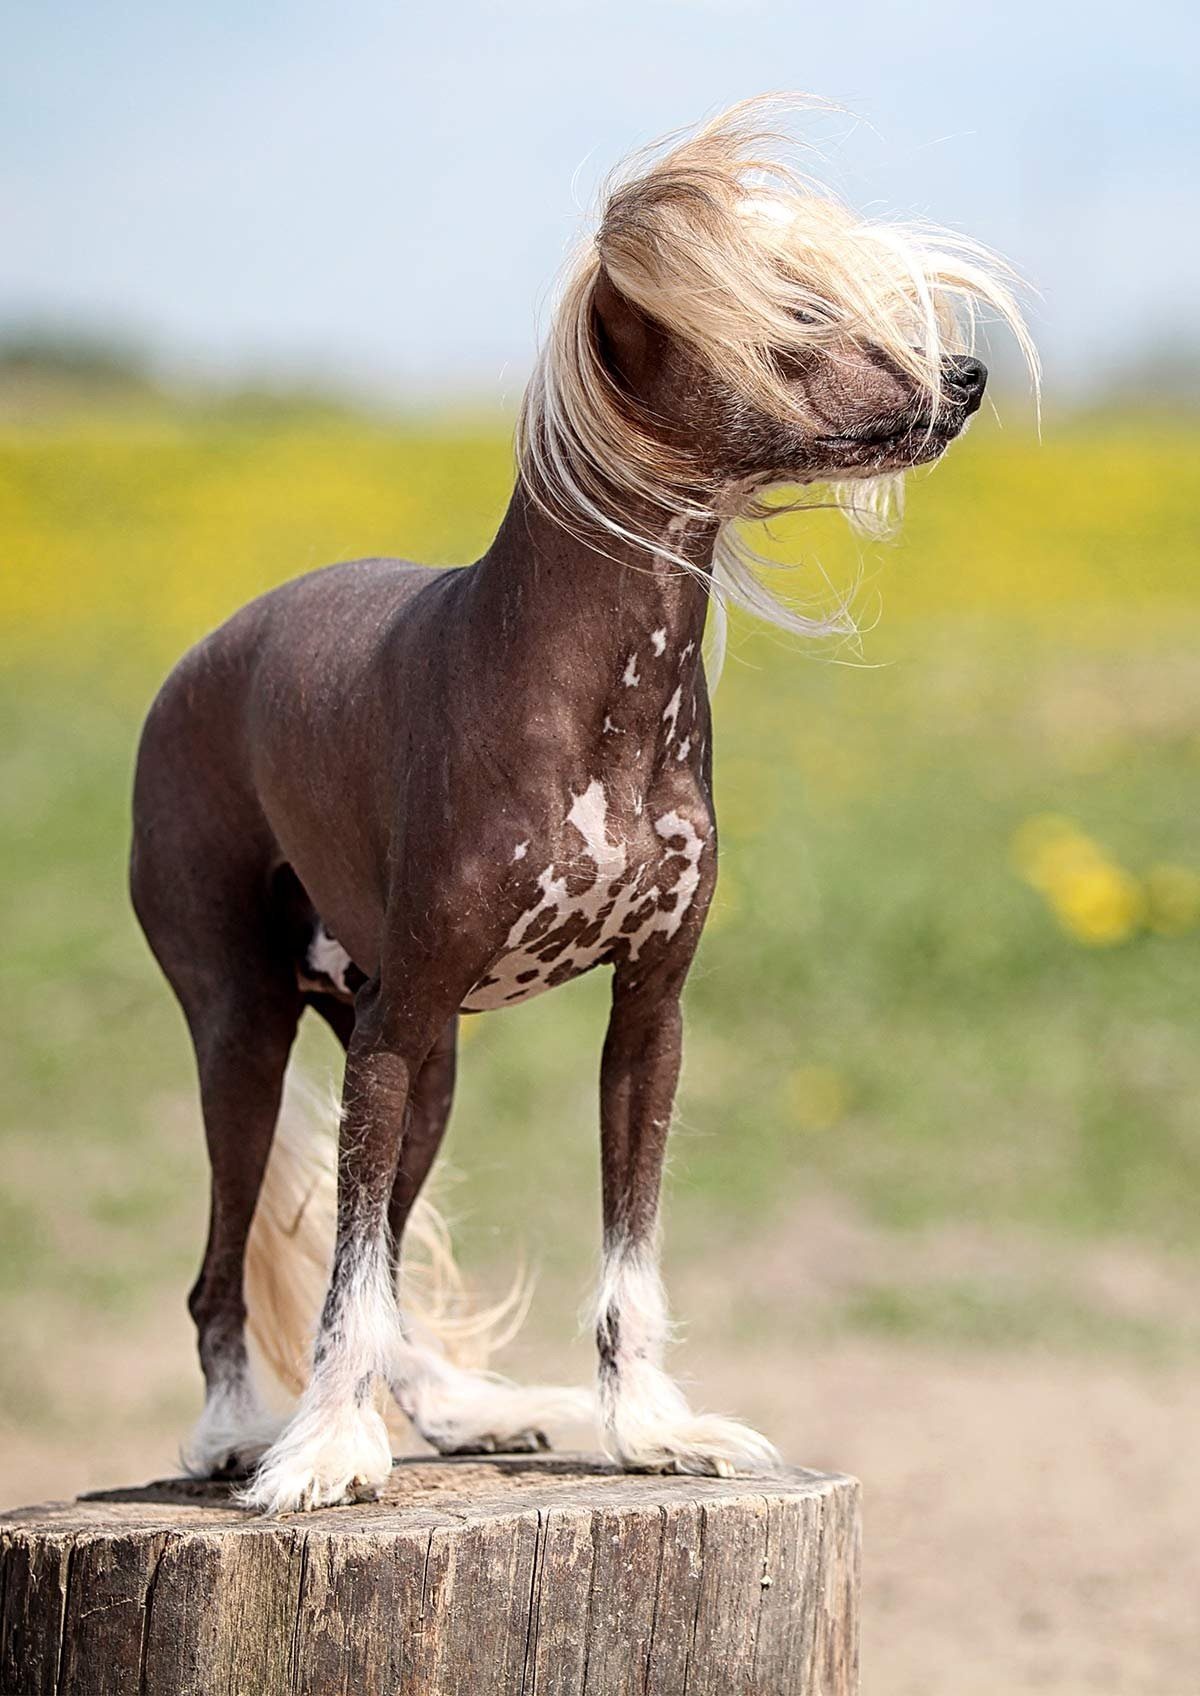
x: 965, y: 378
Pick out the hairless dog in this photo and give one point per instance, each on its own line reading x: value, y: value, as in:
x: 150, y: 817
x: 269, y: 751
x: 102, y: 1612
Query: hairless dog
x: 396, y: 795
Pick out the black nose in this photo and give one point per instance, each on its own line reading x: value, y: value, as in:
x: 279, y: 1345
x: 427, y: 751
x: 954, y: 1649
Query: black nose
x: 965, y: 378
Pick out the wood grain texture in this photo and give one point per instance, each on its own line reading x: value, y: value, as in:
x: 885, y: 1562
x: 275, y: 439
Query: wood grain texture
x: 522, y: 1576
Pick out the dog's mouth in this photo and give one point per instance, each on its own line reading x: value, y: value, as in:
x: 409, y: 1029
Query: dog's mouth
x: 896, y: 444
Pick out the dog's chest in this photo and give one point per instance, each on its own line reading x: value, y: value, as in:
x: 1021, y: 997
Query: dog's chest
x: 617, y: 881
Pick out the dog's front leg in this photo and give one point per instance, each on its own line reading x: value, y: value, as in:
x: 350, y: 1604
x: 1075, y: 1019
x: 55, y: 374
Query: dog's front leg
x: 647, y: 1421
x: 336, y: 1448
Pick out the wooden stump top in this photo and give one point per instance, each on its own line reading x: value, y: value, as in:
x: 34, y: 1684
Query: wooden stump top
x: 518, y: 1574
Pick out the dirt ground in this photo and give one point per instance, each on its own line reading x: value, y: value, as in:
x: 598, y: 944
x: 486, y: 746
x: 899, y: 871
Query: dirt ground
x: 1030, y: 1517
x: 1027, y: 1526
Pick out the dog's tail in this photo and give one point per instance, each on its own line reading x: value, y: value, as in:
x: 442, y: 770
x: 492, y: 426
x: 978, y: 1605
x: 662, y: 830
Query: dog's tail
x: 290, y: 1252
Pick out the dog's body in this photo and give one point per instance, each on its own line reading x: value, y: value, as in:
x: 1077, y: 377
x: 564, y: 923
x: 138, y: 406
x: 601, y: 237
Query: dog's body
x: 486, y: 809
x: 395, y: 795
x: 425, y: 713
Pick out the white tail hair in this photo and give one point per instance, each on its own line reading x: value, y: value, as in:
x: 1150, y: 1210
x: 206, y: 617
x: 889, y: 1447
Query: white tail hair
x: 719, y: 239
x: 290, y: 1252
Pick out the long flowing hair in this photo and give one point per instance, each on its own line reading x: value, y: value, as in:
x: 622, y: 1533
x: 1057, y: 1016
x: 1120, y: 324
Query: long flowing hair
x: 719, y: 239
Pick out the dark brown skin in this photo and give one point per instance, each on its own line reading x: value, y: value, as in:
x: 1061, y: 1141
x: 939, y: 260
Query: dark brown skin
x: 368, y: 743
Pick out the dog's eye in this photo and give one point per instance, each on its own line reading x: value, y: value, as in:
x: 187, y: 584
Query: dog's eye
x: 815, y: 317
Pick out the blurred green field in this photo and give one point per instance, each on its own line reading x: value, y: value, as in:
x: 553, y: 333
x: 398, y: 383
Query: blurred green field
x: 911, y: 1000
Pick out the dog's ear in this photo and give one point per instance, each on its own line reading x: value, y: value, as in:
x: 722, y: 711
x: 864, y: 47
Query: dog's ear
x: 629, y: 343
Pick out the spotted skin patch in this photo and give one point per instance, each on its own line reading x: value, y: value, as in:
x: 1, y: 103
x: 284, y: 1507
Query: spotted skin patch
x: 569, y: 928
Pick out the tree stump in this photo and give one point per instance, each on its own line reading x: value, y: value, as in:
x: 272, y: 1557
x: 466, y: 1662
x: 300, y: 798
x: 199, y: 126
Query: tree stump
x: 518, y: 1575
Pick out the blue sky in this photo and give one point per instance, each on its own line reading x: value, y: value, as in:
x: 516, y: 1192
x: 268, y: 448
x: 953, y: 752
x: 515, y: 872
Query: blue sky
x: 380, y: 193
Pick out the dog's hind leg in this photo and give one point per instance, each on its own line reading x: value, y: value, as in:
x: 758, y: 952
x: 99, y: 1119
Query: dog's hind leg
x: 242, y: 1042
x: 212, y: 930
x: 242, y: 1038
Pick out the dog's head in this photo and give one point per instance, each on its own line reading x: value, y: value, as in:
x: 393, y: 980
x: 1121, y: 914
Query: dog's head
x: 839, y: 408
x: 733, y: 327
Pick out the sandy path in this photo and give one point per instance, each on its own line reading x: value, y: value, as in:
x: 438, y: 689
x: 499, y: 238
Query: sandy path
x: 1030, y: 1525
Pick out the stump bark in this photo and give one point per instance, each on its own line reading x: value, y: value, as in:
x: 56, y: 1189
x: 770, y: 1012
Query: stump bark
x: 531, y: 1576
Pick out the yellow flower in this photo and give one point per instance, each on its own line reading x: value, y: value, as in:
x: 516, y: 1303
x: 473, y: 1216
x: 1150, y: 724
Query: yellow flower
x: 817, y: 1097
x: 1099, y: 904
x: 1049, y: 850
x: 1173, y: 899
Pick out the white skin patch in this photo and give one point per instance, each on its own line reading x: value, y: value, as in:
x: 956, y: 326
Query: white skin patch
x: 609, y: 728
x: 658, y: 639
x: 685, y: 748
x: 630, y: 676
x: 673, y: 827
x: 671, y: 715
x: 520, y: 851
x: 326, y: 958
x: 533, y: 952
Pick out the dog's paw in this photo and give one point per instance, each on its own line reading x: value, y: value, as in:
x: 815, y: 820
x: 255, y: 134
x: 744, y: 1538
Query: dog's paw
x: 312, y: 1467
x: 227, y: 1465
x: 491, y: 1443
x: 702, y: 1444
x: 476, y: 1413
x: 231, y: 1436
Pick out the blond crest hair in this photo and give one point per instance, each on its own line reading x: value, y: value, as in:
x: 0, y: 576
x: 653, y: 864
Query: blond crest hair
x: 722, y: 242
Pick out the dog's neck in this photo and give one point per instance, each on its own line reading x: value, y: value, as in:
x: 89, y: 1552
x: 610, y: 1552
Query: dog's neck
x: 598, y: 616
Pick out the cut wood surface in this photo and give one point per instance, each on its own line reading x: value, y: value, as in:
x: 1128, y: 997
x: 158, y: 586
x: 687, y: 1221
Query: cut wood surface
x: 536, y: 1576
